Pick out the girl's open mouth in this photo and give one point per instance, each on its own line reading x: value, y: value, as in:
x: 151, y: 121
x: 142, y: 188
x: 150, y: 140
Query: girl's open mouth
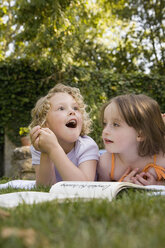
x: 71, y: 124
x: 107, y: 141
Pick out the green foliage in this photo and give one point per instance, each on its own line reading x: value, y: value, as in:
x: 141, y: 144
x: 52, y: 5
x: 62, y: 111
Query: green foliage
x: 30, y: 26
x: 23, y: 83
x: 123, y: 35
x: 144, y: 39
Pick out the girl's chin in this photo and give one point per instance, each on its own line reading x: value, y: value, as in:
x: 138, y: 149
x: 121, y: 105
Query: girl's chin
x: 108, y: 149
x: 70, y: 139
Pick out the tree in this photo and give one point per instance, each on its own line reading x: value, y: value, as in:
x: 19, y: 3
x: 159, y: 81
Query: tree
x: 7, y: 28
x: 119, y: 35
x: 144, y: 41
x: 32, y: 27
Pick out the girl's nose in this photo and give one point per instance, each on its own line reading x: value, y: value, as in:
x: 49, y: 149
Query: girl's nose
x: 71, y: 112
x: 106, y: 129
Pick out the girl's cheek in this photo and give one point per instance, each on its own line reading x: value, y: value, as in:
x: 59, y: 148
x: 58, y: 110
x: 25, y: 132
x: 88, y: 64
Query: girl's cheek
x: 105, y: 130
x: 102, y: 134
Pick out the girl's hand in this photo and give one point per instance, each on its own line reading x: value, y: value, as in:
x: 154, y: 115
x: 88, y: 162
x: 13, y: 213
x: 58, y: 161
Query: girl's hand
x: 47, y: 140
x: 145, y: 179
x: 34, y: 136
x: 129, y: 175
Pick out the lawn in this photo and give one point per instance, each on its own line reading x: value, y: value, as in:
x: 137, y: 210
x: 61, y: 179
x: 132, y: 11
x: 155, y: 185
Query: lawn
x: 133, y: 220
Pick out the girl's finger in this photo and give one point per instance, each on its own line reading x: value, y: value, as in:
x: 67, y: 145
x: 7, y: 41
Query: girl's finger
x: 34, y: 129
x: 34, y: 135
x: 47, y: 130
x: 134, y: 180
x: 128, y: 170
x: 141, y: 180
x: 133, y: 172
x: 125, y: 175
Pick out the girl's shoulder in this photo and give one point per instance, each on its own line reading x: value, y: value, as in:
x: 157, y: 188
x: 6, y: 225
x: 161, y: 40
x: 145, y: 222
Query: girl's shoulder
x: 85, y: 139
x: 105, y: 160
x: 86, y: 142
x: 85, y: 149
x: 160, y: 160
x: 106, y: 155
x: 104, y: 166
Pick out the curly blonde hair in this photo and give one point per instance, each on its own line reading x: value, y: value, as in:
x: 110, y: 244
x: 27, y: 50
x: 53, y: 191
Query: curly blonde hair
x: 42, y: 107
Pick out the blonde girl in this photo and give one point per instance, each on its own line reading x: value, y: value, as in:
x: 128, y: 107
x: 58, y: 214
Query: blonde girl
x: 61, y: 149
x: 133, y: 136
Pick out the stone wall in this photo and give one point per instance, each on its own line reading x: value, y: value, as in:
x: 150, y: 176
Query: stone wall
x: 21, y: 163
x: 17, y: 161
x: 8, y: 151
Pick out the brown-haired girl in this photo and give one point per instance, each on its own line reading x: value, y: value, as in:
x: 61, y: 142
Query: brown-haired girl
x: 134, y: 139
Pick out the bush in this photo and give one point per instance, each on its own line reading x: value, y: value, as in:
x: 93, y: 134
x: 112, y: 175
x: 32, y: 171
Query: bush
x: 22, y: 83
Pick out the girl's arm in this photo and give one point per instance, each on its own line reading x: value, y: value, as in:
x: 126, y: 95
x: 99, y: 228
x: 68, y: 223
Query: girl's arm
x: 68, y: 171
x: 104, y: 167
x: 46, y: 141
x: 45, y: 172
x: 44, y: 168
x: 34, y: 136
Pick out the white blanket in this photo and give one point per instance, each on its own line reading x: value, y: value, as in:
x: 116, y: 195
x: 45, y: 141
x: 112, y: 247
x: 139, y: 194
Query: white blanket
x: 19, y: 184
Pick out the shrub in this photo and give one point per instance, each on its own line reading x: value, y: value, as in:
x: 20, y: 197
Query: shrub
x: 22, y: 83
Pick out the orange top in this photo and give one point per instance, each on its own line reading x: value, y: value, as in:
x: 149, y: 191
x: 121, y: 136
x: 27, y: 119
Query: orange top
x: 160, y: 171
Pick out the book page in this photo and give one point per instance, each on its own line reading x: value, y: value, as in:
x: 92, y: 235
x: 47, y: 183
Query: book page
x: 74, y: 190
x: 107, y: 190
x: 156, y: 187
x: 86, y: 189
x: 62, y: 190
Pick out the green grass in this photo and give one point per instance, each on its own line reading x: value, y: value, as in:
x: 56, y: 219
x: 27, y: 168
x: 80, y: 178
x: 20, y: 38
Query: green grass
x: 133, y: 220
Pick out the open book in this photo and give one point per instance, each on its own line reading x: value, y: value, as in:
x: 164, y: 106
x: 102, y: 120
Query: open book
x: 74, y: 190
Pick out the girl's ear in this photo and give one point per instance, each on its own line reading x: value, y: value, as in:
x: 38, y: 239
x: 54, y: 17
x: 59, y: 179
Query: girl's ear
x: 140, y: 137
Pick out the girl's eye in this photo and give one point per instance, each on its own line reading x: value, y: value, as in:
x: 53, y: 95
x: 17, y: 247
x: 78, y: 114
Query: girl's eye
x: 115, y: 124
x: 75, y: 108
x: 104, y: 124
x: 61, y: 108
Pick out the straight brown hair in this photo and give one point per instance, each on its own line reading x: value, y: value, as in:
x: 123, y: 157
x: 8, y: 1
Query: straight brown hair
x: 143, y: 114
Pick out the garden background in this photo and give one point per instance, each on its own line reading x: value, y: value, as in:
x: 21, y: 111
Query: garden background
x: 105, y: 48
